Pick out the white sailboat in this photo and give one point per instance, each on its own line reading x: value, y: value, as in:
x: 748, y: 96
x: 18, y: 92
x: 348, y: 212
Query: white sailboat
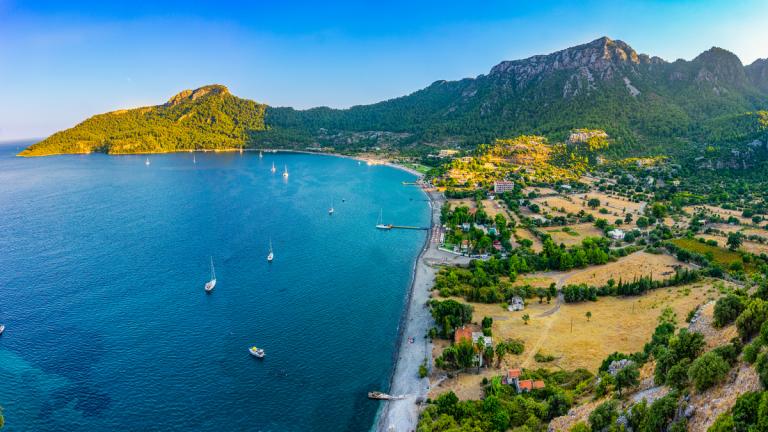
x: 241, y: 149
x: 2, y: 329
x: 271, y: 254
x: 330, y: 209
x: 146, y: 162
x: 194, y: 161
x: 285, y: 173
x: 261, y: 155
x: 211, y: 284
x: 380, y: 222
x: 273, y: 168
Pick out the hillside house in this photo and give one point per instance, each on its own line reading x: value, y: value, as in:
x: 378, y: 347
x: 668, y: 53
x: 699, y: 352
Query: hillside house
x: 616, y: 234
x: 503, y: 186
x: 516, y: 304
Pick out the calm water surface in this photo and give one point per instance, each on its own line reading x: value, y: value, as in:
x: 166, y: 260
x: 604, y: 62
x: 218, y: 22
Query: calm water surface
x: 102, y: 266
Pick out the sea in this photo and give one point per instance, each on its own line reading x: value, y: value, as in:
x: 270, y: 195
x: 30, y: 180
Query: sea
x: 103, y: 260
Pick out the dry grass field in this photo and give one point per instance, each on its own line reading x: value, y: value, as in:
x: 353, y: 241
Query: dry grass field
x: 574, y: 234
x: 561, y: 205
x: 627, y: 268
x: 539, y: 190
x: 617, y: 324
x: 725, y: 214
x: 494, y: 207
x: 523, y: 233
x: 462, y: 202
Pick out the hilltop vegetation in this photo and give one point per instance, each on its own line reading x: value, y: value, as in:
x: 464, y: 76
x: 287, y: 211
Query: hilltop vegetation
x: 206, y: 118
x: 686, y: 110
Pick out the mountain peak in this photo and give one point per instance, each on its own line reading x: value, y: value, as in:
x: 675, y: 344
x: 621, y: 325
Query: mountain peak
x: 190, y: 95
x: 600, y: 59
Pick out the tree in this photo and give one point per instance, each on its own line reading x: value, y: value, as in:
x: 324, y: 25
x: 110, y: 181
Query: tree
x: 501, y: 352
x: 604, y: 415
x: 727, y: 309
x: 627, y: 377
x: 708, y: 370
x: 593, y: 203
x: 752, y: 318
x: 677, y: 376
x: 589, y: 315
x: 642, y: 222
x: 526, y: 318
x: 735, y: 239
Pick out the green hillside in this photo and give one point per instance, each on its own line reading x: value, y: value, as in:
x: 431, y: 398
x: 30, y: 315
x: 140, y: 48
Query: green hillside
x: 206, y: 118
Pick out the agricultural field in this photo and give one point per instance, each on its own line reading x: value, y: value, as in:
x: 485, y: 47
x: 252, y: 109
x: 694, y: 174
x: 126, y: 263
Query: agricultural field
x: 720, y: 255
x: 573, y: 234
x: 746, y: 245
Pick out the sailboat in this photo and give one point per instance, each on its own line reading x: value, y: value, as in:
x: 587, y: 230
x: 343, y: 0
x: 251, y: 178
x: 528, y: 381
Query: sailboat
x: 194, y: 161
x: 380, y: 223
x: 285, y: 173
x: 146, y: 162
x: 211, y: 284
x: 261, y: 155
x: 273, y: 168
x: 330, y: 210
x: 271, y: 254
x: 241, y: 149
x: 2, y: 329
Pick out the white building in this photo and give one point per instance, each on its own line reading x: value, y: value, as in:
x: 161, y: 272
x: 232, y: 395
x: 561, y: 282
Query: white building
x: 616, y: 234
x: 503, y: 186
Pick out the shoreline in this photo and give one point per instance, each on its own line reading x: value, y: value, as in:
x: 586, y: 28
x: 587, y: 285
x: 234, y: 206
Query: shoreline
x: 403, y: 415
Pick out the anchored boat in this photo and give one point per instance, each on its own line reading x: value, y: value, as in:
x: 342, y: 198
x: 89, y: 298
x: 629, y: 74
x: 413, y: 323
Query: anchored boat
x: 256, y: 352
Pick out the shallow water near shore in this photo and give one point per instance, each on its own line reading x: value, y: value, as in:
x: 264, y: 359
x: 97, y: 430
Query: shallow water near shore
x: 101, y: 290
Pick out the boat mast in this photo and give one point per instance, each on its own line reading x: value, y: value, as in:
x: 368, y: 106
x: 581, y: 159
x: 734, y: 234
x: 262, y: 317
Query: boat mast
x: 213, y: 270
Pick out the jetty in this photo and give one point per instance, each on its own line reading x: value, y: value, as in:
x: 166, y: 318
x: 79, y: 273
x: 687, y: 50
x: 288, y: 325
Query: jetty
x: 408, y: 227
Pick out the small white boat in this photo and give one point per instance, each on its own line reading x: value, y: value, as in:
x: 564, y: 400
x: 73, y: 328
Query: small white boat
x: 261, y: 155
x: 330, y: 209
x: 194, y: 161
x: 146, y: 162
x: 256, y: 352
x: 380, y: 223
x: 2, y: 329
x: 211, y: 284
x: 271, y: 254
x: 273, y: 168
x: 285, y: 173
x: 241, y: 149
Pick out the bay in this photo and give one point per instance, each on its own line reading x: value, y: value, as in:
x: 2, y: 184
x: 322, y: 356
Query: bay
x: 102, y: 266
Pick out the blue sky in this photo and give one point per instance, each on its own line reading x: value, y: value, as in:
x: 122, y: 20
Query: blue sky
x: 61, y: 62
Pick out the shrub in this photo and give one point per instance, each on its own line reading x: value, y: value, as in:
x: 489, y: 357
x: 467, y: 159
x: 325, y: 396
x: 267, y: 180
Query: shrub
x: 708, y: 370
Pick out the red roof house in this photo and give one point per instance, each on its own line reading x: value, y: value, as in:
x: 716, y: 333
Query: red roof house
x: 462, y: 333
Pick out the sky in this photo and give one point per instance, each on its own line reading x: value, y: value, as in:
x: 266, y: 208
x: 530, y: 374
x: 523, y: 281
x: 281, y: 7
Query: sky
x: 63, y: 61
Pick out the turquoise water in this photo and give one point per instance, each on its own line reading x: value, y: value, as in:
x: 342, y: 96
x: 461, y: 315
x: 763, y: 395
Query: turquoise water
x: 102, y: 266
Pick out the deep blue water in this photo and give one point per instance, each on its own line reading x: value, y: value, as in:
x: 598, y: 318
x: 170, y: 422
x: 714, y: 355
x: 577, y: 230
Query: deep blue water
x: 102, y: 266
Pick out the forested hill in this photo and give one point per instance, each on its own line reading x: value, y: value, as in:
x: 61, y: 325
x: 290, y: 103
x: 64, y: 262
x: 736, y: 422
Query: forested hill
x: 205, y: 118
x: 647, y: 105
